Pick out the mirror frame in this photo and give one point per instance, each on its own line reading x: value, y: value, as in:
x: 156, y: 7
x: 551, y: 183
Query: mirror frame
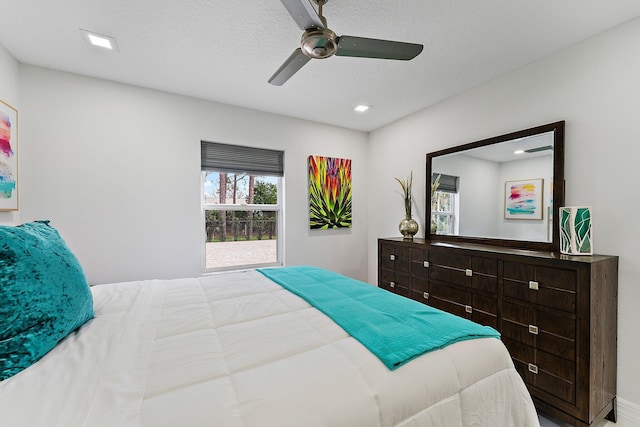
x: 558, y: 190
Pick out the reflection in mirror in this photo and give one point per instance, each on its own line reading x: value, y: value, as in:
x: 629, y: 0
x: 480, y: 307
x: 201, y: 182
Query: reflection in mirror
x: 501, y: 190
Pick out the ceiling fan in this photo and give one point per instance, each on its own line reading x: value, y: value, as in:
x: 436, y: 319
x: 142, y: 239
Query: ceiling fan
x: 318, y: 41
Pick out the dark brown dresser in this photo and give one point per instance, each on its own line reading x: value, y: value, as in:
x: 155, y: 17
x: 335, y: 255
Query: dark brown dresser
x: 557, y: 314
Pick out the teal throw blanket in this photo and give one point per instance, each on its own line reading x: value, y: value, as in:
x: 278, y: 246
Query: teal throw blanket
x: 394, y: 328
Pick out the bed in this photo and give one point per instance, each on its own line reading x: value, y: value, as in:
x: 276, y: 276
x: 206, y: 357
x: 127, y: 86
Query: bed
x: 238, y: 349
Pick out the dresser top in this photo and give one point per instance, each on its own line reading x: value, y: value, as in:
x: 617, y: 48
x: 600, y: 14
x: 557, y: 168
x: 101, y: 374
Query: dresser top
x: 500, y: 250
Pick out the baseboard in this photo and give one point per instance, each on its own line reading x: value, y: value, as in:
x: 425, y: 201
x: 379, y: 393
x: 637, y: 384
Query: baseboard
x: 628, y: 412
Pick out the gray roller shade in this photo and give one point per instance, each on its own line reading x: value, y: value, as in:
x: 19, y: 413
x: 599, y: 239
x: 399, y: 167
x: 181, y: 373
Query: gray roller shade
x: 448, y: 183
x: 218, y: 157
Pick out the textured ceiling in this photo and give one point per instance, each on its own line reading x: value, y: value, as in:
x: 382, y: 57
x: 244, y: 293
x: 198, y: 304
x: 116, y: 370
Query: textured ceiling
x: 226, y: 51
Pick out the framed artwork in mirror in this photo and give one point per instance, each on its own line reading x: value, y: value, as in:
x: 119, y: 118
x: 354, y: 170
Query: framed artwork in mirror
x: 523, y: 199
x: 8, y: 157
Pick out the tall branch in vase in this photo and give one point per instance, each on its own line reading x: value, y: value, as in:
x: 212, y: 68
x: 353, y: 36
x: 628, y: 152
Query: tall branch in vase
x: 408, y: 226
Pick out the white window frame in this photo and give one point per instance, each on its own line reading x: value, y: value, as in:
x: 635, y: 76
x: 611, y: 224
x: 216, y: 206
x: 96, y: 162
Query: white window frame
x: 244, y: 207
x: 453, y: 213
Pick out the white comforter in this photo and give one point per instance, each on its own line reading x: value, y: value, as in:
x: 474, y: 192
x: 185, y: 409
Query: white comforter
x: 236, y: 349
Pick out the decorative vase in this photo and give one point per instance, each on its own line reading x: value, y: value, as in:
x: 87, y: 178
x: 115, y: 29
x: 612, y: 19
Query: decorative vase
x: 575, y: 230
x: 408, y: 228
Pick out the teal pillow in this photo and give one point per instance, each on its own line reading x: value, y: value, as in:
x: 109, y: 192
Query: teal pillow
x: 44, y: 295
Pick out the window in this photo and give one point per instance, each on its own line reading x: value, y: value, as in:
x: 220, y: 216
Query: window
x: 443, y: 212
x: 443, y: 205
x: 241, y: 199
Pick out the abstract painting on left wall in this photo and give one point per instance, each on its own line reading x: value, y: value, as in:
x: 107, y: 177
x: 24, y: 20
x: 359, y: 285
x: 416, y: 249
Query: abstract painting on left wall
x: 8, y: 157
x: 329, y: 192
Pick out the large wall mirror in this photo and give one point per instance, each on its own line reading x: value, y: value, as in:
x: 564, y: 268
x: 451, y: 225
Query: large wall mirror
x: 504, y: 190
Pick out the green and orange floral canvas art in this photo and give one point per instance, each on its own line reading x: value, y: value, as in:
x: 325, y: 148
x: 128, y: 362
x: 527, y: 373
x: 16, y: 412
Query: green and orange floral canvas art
x: 329, y: 192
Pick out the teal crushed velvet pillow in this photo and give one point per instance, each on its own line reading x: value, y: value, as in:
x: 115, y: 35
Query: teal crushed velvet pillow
x: 44, y: 295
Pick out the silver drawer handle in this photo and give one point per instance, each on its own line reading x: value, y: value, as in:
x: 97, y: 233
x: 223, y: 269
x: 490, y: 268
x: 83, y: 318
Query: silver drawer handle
x: 533, y: 330
x: 392, y: 257
x: 533, y: 368
x: 426, y: 295
x: 426, y: 264
x: 468, y: 272
x: 392, y: 284
x: 468, y: 309
x: 533, y: 285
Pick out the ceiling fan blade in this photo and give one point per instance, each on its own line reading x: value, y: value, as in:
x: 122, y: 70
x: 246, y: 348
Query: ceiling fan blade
x: 373, y: 48
x: 291, y: 66
x: 303, y: 13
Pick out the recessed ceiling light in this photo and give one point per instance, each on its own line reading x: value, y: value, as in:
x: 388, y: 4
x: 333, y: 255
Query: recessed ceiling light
x: 361, y: 108
x: 100, y: 40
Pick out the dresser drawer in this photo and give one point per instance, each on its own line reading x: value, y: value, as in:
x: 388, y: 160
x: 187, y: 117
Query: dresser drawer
x: 473, y: 272
x: 400, y: 283
x: 447, y: 274
x: 448, y: 306
x: 544, y: 371
x: 420, y: 296
x: 450, y: 293
x: 395, y: 257
x: 487, y: 305
x: 419, y: 284
x: 391, y: 278
x: 554, y: 333
x: 402, y: 290
x: 484, y: 310
x: 484, y: 274
x: 479, y: 308
x: 419, y: 255
x: 484, y: 318
x: 385, y: 260
x: 419, y: 269
x: 452, y: 261
x: 550, y: 287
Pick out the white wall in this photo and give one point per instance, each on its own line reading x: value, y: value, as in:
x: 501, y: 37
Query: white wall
x: 116, y: 168
x: 9, y: 69
x: 476, y: 181
x: 594, y: 86
x: 476, y: 176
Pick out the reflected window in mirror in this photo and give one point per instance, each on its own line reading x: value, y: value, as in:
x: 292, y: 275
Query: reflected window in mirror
x: 444, y: 204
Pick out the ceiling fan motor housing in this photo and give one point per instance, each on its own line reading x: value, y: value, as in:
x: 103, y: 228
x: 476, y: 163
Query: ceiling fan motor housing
x: 319, y: 43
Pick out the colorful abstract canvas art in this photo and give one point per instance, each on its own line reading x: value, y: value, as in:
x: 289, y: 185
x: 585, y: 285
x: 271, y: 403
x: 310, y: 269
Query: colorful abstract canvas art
x: 329, y: 192
x: 8, y: 157
x: 523, y: 199
x: 575, y: 231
